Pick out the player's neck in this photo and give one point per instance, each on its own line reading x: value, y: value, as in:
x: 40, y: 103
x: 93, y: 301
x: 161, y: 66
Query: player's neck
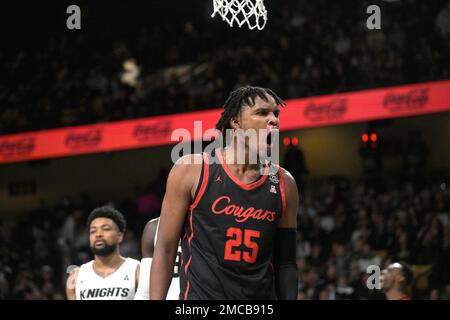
x: 233, y: 159
x: 394, y: 294
x: 111, y: 260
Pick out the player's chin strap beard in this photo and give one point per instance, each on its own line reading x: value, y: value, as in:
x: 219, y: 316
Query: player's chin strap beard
x: 106, y: 250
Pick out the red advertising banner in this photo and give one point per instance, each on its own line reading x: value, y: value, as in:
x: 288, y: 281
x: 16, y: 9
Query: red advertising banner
x: 400, y: 101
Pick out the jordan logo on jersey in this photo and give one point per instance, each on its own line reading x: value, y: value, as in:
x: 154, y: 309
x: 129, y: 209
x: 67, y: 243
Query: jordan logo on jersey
x: 219, y: 179
x: 126, y: 278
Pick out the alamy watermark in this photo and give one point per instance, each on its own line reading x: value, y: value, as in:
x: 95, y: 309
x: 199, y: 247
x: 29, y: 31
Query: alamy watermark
x: 374, y: 20
x: 251, y: 146
x: 74, y: 20
x: 374, y: 280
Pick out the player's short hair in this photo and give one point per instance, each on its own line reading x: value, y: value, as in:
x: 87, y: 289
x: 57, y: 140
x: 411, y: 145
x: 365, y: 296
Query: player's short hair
x: 241, y: 97
x: 408, y: 273
x: 110, y: 213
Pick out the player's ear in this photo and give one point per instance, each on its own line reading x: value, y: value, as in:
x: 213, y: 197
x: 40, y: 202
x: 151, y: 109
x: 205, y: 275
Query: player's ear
x: 399, y: 278
x: 235, y: 123
x: 120, y: 236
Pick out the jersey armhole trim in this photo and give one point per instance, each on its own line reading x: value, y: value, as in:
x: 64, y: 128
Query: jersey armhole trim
x: 203, y: 182
x: 283, y: 194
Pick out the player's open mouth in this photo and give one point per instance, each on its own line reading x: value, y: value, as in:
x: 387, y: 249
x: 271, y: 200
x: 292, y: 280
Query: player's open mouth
x: 99, y: 242
x: 272, y: 136
x: 269, y: 139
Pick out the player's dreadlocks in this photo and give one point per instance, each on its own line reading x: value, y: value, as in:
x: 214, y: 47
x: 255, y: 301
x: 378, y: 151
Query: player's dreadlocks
x: 240, y: 97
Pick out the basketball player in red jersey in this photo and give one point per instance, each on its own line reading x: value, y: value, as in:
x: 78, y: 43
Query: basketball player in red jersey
x: 395, y: 279
x: 238, y: 226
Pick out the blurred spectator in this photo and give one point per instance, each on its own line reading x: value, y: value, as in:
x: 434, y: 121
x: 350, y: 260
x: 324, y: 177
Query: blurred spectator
x: 442, y: 21
x: 372, y: 165
x: 148, y: 206
x: 294, y: 162
x: 186, y: 63
x: 328, y: 267
x: 385, y: 218
x: 416, y: 154
x: 130, y: 246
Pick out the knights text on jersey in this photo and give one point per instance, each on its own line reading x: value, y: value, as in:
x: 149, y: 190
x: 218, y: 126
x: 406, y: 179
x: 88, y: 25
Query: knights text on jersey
x: 120, y: 285
x: 229, y: 232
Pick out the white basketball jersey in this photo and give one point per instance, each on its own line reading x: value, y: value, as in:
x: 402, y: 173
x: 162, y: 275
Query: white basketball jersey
x: 120, y: 285
x: 174, y: 290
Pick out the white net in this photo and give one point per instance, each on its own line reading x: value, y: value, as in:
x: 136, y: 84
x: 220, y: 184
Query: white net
x: 251, y: 12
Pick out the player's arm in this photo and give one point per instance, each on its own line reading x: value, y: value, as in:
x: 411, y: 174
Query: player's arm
x: 148, y: 238
x: 71, y: 284
x: 147, y: 247
x: 137, y: 275
x: 182, y: 179
x: 286, y: 277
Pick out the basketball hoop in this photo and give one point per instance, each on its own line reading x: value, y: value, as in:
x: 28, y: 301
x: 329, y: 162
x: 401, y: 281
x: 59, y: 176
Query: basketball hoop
x: 252, y: 12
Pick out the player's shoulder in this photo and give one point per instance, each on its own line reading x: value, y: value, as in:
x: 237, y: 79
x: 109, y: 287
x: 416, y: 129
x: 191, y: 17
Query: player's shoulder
x: 151, y: 225
x: 289, y: 182
x: 190, y: 159
x: 86, y: 265
x: 73, y: 270
x: 130, y: 263
x: 133, y: 264
x: 287, y: 176
x: 132, y: 260
x: 187, y: 165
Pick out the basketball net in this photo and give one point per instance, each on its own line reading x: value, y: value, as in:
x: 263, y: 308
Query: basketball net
x: 251, y: 12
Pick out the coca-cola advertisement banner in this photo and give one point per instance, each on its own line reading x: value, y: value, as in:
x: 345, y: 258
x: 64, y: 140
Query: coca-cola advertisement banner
x: 360, y: 106
x: 392, y: 102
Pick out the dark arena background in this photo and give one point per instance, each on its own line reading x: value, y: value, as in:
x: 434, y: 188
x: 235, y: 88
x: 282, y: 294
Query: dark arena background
x: 86, y: 117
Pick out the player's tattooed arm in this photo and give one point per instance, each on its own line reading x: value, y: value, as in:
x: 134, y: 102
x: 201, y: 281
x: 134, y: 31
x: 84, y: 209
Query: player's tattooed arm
x: 71, y: 282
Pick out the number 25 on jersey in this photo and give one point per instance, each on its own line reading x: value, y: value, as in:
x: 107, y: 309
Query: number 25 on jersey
x: 235, y: 240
